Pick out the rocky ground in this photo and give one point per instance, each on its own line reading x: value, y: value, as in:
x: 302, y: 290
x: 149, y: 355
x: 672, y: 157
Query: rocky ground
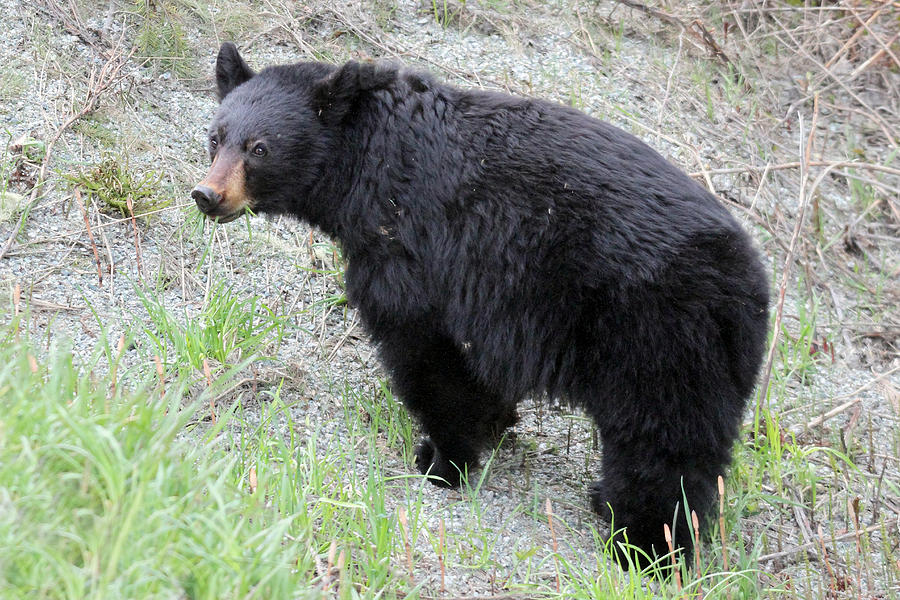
x: 789, y: 114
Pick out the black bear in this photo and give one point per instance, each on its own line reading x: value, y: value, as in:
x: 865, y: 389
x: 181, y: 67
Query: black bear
x: 500, y: 246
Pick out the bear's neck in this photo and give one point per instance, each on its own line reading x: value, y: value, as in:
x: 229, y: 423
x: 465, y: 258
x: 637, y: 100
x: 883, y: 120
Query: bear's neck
x: 351, y: 202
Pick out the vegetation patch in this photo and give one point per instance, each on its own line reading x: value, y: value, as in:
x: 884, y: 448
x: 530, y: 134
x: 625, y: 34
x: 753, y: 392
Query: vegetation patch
x: 112, y: 184
x: 161, y: 39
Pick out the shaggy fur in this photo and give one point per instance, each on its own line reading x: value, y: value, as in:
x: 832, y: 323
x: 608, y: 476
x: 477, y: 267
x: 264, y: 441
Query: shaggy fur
x: 500, y: 246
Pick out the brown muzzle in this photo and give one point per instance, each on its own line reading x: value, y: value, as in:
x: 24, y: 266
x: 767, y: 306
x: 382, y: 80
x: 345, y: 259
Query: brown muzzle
x: 222, y: 193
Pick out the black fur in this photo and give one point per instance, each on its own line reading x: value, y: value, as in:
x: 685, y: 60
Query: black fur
x: 231, y: 70
x: 500, y: 246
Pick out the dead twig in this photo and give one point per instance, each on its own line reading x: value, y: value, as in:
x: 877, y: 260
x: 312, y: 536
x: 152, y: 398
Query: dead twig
x: 822, y: 418
x: 834, y: 164
x: 810, y: 545
x: 695, y: 28
x: 404, y: 530
x: 137, y: 238
x: 825, y: 559
x: 825, y: 73
x: 875, y: 57
x: 852, y: 39
x: 699, y: 31
x: 328, y: 576
x: 87, y: 225
x: 789, y: 261
x: 99, y: 83
x: 548, y: 508
x: 866, y: 26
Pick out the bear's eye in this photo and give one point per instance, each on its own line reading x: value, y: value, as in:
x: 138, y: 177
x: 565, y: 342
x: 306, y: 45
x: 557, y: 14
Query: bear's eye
x: 259, y: 149
x: 213, y: 142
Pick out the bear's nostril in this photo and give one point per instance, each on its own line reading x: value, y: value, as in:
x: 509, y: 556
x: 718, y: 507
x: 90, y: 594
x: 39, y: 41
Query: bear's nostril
x: 205, y: 197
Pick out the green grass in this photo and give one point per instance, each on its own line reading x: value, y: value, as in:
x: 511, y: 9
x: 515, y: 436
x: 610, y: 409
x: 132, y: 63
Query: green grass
x: 228, y: 329
x: 12, y: 82
x: 162, y: 38
x: 9, y: 200
x: 328, y: 260
x: 113, y: 485
x: 13, y: 204
x: 126, y: 493
x: 385, y: 12
x: 103, y: 500
x: 446, y: 13
x: 229, y: 19
x: 376, y: 414
x: 99, y: 128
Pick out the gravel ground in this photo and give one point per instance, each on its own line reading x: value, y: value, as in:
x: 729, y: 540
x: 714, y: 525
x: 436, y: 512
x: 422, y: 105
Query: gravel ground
x: 616, y: 64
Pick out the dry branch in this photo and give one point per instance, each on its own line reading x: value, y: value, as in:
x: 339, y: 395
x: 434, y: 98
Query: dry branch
x: 87, y: 225
x: 137, y: 238
x: 789, y: 261
x: 866, y: 26
x: 695, y: 28
x: 836, y: 164
x: 809, y: 545
x: 100, y: 82
x: 846, y: 46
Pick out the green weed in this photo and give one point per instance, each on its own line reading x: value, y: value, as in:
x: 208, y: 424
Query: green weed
x: 446, y: 13
x: 385, y: 13
x: 329, y: 261
x: 230, y: 20
x: 112, y: 183
x: 801, y: 348
x: 9, y: 201
x: 17, y: 161
x: 381, y: 418
x: 576, y: 95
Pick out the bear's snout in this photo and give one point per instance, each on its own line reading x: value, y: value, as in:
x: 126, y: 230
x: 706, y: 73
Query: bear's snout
x: 222, y: 194
x: 206, y: 198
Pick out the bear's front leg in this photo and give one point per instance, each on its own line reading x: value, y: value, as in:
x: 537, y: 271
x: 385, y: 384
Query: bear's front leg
x: 442, y: 470
x: 459, y: 416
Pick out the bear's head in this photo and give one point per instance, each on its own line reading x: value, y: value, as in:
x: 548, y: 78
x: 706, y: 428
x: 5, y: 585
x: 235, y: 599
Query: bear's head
x: 276, y: 132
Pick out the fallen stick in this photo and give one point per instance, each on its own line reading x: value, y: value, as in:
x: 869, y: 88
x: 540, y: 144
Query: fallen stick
x: 87, y: 225
x: 796, y: 164
x: 822, y: 418
x: 814, y: 543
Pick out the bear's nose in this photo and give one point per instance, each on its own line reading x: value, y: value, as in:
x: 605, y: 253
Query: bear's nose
x: 205, y: 197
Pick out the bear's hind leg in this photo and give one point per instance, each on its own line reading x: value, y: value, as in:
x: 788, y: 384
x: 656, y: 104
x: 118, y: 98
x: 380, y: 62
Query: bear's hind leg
x: 644, y: 487
x: 459, y: 416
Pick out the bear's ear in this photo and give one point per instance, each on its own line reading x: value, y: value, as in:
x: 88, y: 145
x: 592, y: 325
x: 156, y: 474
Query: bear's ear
x: 336, y: 93
x: 231, y: 70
